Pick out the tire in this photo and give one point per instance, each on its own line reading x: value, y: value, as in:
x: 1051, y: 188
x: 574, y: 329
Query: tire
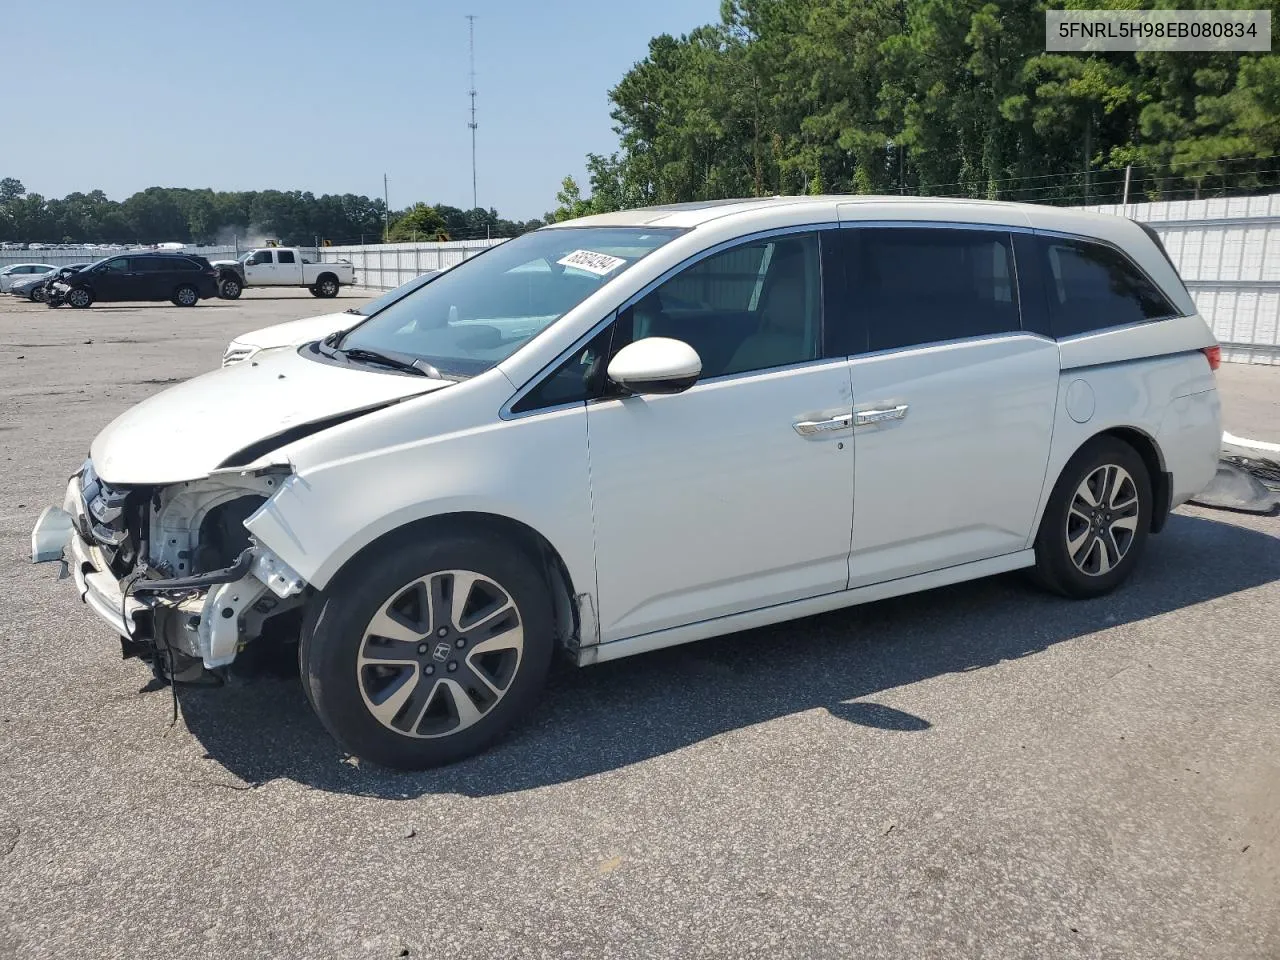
x: 38, y: 295
x: 413, y: 712
x: 315, y: 291
x: 230, y: 288
x: 186, y: 296
x: 80, y: 297
x: 326, y: 286
x: 1087, y: 549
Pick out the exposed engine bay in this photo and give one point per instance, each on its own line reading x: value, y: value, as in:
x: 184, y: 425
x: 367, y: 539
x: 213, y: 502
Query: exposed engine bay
x: 189, y: 585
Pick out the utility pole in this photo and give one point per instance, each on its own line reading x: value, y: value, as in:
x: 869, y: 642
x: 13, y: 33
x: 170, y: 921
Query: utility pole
x: 386, y: 210
x: 471, y: 43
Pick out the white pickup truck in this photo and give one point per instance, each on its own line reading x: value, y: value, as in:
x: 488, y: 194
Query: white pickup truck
x: 282, y: 267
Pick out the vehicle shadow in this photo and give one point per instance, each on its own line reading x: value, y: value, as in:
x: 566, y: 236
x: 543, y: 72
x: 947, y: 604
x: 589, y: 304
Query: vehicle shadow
x: 616, y: 714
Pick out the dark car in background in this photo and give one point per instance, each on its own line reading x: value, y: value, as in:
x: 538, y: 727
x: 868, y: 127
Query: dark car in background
x: 183, y: 278
x: 37, y: 289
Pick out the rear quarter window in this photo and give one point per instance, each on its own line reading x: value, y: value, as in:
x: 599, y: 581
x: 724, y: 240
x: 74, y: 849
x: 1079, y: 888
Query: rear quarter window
x: 1091, y: 286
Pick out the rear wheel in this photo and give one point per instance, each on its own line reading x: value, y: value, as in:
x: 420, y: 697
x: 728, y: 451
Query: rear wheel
x: 79, y: 297
x: 326, y: 286
x: 186, y: 296
x: 429, y: 653
x: 1096, y: 523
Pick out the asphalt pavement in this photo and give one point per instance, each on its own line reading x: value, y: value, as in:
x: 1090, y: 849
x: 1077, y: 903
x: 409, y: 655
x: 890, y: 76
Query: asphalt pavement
x: 978, y: 771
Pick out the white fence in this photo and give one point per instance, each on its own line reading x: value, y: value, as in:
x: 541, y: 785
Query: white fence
x: 1228, y: 252
x: 386, y: 265
x: 377, y: 265
x: 60, y: 258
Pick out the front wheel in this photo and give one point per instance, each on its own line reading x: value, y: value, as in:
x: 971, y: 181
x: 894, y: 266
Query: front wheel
x: 186, y: 296
x: 38, y: 295
x: 429, y: 653
x: 79, y: 297
x: 1096, y: 523
x: 230, y: 289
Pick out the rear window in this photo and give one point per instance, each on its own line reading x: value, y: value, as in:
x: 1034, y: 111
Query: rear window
x: 1092, y: 286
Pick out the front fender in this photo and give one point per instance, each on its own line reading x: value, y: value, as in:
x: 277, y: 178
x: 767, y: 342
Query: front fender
x: 533, y: 470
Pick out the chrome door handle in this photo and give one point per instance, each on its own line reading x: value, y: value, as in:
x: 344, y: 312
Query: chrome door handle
x: 809, y: 428
x: 865, y: 417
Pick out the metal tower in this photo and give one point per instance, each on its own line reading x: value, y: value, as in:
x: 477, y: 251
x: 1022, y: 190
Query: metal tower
x: 471, y: 30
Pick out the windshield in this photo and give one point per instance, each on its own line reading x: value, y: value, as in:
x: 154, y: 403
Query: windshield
x: 391, y: 296
x: 477, y: 314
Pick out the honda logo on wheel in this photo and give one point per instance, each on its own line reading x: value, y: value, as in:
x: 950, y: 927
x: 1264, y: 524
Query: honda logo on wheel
x: 441, y: 652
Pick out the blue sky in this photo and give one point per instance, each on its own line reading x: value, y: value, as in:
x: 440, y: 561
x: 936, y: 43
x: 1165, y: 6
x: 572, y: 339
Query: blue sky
x: 322, y: 96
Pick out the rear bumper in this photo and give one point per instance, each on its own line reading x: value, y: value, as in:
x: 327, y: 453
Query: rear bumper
x: 1191, y: 440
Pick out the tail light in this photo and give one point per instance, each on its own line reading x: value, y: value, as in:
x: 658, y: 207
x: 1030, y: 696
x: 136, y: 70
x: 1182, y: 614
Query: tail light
x: 1214, y: 356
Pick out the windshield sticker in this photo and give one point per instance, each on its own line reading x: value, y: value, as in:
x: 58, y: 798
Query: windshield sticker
x: 592, y: 262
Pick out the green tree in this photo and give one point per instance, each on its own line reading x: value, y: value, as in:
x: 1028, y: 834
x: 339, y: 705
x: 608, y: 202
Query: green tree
x: 419, y: 222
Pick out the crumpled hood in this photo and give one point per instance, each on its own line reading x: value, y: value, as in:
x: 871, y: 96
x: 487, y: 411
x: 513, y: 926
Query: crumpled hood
x: 187, y: 431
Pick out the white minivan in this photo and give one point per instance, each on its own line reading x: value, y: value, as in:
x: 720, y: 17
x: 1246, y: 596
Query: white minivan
x: 643, y: 428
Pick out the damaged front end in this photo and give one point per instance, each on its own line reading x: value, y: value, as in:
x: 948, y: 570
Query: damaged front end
x: 172, y: 568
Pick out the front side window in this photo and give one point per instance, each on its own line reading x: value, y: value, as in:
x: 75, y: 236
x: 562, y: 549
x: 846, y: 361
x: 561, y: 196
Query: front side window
x: 751, y: 307
x: 477, y: 314
x: 918, y: 285
x: 1092, y: 286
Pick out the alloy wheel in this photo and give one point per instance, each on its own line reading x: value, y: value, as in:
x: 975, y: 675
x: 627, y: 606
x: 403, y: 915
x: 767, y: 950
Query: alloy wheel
x: 328, y: 288
x: 1102, y: 520
x: 440, y: 654
x: 78, y: 297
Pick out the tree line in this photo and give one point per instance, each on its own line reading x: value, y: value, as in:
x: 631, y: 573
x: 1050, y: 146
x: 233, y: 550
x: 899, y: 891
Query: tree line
x: 941, y: 97
x: 161, y: 214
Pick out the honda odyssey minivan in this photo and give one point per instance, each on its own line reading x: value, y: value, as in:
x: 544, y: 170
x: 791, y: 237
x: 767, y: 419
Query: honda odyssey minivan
x: 644, y: 428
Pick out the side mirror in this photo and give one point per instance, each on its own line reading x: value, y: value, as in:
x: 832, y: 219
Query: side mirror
x: 656, y: 365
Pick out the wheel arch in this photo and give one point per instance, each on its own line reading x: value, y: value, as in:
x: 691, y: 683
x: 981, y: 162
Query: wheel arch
x: 1146, y: 446
x: 329, y: 274
x: 536, y: 547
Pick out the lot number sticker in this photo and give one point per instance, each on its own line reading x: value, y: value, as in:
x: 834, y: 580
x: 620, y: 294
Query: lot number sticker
x: 597, y: 263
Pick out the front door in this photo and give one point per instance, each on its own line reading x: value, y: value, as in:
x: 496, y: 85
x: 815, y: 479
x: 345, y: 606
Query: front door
x: 260, y: 269
x: 736, y: 494
x: 111, y: 279
x: 953, y: 401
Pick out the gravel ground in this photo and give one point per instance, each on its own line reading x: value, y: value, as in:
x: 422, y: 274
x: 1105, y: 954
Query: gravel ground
x: 979, y: 771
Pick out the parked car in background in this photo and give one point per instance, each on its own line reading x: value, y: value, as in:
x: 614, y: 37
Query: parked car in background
x: 282, y: 267
x: 297, y: 332
x: 37, y: 288
x: 183, y: 278
x: 23, y: 271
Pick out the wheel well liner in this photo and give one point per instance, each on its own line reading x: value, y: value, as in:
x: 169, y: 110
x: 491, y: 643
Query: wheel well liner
x: 534, y: 545
x: 328, y: 273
